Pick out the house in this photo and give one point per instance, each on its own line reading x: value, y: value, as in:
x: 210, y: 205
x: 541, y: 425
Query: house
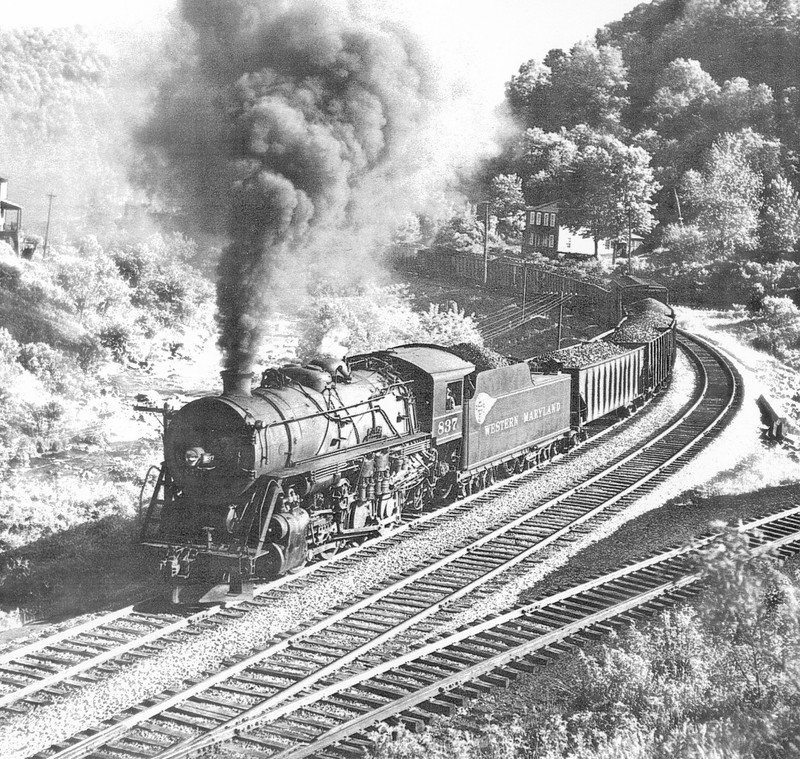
x: 544, y: 234
x: 10, y: 227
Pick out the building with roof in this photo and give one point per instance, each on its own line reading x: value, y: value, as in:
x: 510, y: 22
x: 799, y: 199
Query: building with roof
x: 545, y: 235
x: 10, y: 225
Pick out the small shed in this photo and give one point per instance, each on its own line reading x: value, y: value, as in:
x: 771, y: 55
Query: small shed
x: 10, y: 227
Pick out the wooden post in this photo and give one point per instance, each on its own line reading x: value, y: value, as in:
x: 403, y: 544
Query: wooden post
x: 524, y: 286
x: 47, y: 228
x: 485, y: 242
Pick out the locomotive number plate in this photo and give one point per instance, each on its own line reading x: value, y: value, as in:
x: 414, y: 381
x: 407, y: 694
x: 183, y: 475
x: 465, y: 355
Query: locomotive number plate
x: 448, y: 425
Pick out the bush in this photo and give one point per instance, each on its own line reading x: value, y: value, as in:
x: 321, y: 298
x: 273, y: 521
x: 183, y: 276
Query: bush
x: 778, y: 327
x: 374, y: 318
x: 91, y: 281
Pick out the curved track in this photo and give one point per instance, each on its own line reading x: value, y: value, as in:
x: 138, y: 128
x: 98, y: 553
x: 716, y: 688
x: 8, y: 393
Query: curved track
x: 398, y: 614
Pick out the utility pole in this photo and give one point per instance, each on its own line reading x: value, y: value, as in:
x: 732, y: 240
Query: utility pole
x: 524, y: 286
x: 630, y: 244
x: 560, y: 320
x: 678, y: 202
x: 485, y: 241
x: 47, y: 228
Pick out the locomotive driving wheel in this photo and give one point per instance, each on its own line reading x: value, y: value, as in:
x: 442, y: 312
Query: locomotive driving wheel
x: 414, y: 500
x: 328, y: 550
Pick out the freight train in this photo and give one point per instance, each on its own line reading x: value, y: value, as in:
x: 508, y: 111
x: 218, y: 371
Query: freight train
x: 256, y: 482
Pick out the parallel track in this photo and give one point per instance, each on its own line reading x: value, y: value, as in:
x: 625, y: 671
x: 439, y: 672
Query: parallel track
x: 396, y: 614
x: 440, y: 676
x: 55, y: 665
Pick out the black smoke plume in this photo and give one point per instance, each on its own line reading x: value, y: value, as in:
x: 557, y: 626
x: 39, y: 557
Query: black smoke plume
x: 286, y: 125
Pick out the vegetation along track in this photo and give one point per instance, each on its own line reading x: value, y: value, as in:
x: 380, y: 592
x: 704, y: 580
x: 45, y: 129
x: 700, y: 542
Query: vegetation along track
x: 407, y: 607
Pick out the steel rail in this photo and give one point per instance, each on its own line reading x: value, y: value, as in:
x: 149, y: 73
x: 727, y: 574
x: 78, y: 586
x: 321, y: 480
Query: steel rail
x: 110, y: 733
x: 39, y: 684
x: 491, y: 663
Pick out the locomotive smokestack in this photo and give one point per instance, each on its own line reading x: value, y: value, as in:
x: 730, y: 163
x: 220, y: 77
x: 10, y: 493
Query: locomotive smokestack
x: 236, y: 383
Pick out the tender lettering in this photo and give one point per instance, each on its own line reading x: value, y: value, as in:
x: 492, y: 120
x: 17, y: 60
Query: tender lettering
x: 531, y: 415
x: 503, y: 424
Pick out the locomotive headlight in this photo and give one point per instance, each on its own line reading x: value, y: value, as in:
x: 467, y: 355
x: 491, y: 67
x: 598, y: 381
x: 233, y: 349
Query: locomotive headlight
x: 193, y: 456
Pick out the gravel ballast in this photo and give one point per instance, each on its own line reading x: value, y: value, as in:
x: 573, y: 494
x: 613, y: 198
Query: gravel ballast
x: 190, y: 658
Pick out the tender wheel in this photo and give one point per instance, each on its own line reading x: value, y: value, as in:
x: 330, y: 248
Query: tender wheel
x: 490, y: 478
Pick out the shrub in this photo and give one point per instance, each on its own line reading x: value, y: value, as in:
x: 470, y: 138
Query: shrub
x: 373, y: 318
x: 91, y: 281
x: 116, y: 337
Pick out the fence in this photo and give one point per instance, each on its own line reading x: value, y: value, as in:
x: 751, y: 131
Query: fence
x: 518, y: 276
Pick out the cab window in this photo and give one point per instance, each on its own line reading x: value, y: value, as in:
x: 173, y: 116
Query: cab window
x: 453, y: 395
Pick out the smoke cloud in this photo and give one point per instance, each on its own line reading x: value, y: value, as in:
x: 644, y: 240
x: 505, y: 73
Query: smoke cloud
x: 297, y: 128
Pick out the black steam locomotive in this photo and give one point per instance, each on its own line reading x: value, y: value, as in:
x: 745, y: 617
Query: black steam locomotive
x: 255, y: 482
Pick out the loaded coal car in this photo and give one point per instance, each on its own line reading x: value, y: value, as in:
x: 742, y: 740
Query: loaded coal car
x: 650, y: 323
x: 605, y: 379
x: 620, y: 371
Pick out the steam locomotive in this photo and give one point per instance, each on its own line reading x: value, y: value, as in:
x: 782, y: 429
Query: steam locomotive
x: 256, y: 482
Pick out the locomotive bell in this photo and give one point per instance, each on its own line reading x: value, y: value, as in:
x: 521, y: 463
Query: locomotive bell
x: 236, y: 383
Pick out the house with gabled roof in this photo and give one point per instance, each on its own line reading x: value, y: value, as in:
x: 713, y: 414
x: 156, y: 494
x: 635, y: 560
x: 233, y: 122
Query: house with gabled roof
x: 544, y: 234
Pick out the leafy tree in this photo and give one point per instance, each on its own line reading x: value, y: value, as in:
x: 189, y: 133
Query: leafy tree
x: 507, y: 204
x: 781, y: 225
x: 726, y: 197
x: 755, y: 619
x: 607, y: 188
x: 545, y: 158
x: 462, y: 233
x: 373, y: 318
x: 91, y: 281
x: 527, y: 93
x: 684, y: 247
x: 585, y: 86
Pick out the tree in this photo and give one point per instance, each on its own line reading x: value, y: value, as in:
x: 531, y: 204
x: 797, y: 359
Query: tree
x: 589, y: 87
x: 545, y: 159
x: 684, y: 246
x: 683, y: 84
x: 585, y: 86
x: 726, y: 196
x: 781, y: 224
x: 607, y: 188
x: 507, y: 203
x: 462, y: 233
x: 527, y: 93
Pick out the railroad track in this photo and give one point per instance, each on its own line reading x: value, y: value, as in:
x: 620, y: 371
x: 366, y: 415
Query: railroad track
x: 513, y: 316
x: 396, y: 614
x: 438, y: 677
x: 37, y: 673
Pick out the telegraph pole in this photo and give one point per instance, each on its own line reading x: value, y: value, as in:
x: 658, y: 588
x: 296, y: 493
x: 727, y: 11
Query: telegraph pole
x: 485, y: 241
x: 47, y: 228
x: 630, y: 245
x: 678, y: 203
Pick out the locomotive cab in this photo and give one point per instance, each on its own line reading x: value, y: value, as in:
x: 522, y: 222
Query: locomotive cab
x: 439, y: 388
